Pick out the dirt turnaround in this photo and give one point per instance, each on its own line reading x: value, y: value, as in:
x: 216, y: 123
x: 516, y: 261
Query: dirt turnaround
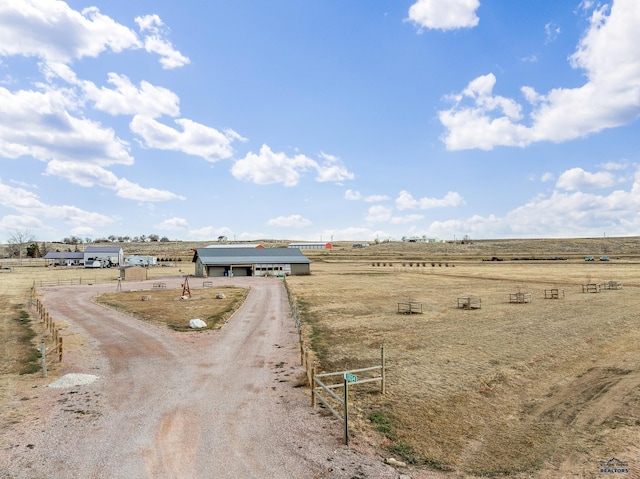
x: 211, y: 404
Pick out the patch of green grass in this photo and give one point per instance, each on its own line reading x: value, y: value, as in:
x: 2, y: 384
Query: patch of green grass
x: 30, y: 360
x: 407, y: 453
x: 401, y: 449
x: 381, y: 421
x: 320, y: 336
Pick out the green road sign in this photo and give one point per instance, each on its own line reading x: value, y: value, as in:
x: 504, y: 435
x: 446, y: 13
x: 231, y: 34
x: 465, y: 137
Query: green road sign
x: 350, y: 377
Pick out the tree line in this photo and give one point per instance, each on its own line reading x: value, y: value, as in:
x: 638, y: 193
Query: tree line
x: 23, y: 244
x: 152, y: 238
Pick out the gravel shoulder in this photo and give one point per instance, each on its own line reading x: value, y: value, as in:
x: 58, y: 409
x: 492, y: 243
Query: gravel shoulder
x: 221, y: 404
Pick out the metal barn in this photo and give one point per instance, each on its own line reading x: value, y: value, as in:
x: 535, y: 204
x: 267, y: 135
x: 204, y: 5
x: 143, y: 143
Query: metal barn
x: 212, y: 262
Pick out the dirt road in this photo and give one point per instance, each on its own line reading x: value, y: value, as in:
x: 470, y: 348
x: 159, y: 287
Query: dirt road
x: 213, y: 404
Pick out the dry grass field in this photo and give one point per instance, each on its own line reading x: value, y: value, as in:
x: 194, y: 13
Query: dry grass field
x: 548, y: 388
x: 167, y: 307
x: 544, y: 389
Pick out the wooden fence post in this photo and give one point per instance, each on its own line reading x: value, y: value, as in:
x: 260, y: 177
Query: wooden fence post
x: 382, y: 384
x: 346, y: 411
x: 313, y: 388
x: 60, y: 349
x: 44, y: 360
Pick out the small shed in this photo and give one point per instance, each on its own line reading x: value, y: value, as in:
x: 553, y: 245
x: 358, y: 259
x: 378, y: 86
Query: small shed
x: 133, y: 273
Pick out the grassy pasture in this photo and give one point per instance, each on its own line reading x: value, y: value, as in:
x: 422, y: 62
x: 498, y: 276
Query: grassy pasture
x: 546, y: 389
x: 536, y: 388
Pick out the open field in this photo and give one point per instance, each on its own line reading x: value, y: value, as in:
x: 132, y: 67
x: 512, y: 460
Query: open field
x: 544, y: 389
x: 549, y: 388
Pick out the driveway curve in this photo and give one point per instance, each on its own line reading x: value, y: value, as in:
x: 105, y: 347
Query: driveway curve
x: 209, y: 404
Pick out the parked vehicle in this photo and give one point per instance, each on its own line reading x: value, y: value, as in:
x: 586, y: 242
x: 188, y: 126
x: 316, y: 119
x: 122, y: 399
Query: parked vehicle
x: 589, y: 258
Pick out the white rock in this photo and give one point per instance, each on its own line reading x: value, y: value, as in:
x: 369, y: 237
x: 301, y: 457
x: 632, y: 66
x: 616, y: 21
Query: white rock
x: 197, y: 323
x: 70, y: 380
x: 394, y: 462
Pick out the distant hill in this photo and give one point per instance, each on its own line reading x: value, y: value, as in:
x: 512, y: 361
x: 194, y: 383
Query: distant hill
x: 617, y: 248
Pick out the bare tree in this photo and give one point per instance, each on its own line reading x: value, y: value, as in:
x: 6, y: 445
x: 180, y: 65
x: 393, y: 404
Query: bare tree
x: 18, y: 242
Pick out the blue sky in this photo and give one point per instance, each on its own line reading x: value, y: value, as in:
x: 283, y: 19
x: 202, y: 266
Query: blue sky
x: 319, y: 120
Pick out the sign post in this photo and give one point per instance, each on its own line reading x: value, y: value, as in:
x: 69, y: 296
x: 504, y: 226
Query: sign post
x: 348, y: 378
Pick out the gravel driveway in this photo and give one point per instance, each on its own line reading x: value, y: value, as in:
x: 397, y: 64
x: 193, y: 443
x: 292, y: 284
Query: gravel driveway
x: 211, y: 404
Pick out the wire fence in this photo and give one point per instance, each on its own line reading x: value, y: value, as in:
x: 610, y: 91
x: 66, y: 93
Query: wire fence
x: 51, y: 335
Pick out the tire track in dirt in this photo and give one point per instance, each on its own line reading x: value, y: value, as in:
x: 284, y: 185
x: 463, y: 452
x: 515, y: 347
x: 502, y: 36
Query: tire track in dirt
x: 193, y: 405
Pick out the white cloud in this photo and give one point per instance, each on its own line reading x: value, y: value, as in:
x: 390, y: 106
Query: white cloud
x: 88, y: 175
x: 83, y: 231
x: 375, y: 198
x: 21, y: 222
x: 147, y: 102
x: 268, y: 167
x: 54, y: 32
x: 607, y: 53
x: 444, y: 15
x: 552, y: 31
x: 29, y: 205
x: 560, y: 214
x: 53, y: 124
x: 586, y: 4
x: 578, y: 179
x: 291, y: 221
x: 173, y: 224
x: 548, y: 176
x: 211, y: 233
x: 39, y: 123
x: 406, y: 201
x: 155, y: 42
x: 397, y: 220
x: 614, y: 165
x: 194, y: 139
x: 124, y: 99
x: 378, y: 214
x: 353, y: 195
x: 332, y: 169
x: 133, y: 191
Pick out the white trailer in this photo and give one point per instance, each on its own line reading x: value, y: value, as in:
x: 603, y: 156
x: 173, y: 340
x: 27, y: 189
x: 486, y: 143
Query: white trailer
x: 141, y: 260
